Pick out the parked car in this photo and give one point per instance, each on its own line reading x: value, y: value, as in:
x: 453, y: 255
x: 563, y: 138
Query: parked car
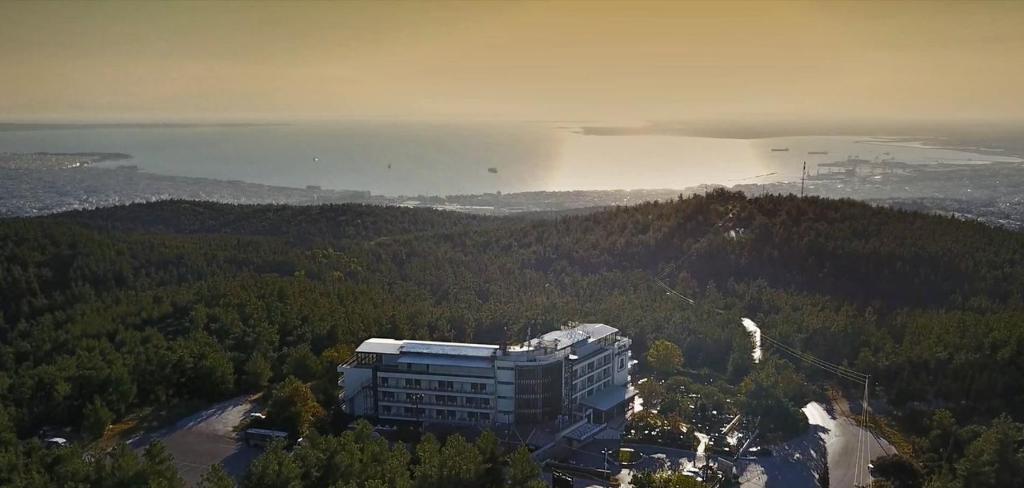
x: 55, y: 443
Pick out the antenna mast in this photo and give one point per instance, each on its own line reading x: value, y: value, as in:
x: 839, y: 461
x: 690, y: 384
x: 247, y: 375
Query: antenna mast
x: 803, y: 176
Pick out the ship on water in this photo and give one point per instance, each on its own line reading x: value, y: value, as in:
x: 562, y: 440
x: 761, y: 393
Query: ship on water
x: 780, y: 149
x: 817, y: 152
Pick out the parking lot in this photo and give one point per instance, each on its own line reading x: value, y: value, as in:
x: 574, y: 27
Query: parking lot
x: 206, y: 438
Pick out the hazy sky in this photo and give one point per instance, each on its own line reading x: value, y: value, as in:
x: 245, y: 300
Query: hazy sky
x: 519, y: 61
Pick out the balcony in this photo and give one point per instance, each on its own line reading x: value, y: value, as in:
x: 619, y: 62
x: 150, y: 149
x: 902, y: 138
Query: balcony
x: 430, y: 402
x: 486, y: 390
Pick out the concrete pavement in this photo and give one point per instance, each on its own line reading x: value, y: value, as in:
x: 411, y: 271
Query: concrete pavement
x: 205, y: 438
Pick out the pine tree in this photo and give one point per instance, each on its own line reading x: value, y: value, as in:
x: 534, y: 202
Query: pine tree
x: 274, y: 469
x: 522, y: 471
x: 96, y: 418
x: 158, y: 464
x: 216, y: 477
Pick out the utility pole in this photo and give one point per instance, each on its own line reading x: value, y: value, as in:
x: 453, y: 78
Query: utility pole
x: 803, y: 176
x: 867, y: 428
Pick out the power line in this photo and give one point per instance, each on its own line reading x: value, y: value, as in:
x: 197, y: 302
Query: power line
x: 838, y: 369
x: 863, y: 448
x: 830, y: 367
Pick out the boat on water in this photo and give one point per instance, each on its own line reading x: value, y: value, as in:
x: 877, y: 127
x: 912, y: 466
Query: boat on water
x: 492, y: 170
x: 780, y: 149
x: 817, y: 152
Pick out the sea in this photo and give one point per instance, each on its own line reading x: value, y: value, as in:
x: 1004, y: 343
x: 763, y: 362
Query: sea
x: 449, y: 158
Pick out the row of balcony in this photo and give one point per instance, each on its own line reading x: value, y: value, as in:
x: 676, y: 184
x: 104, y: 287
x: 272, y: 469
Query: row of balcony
x: 431, y: 385
x: 433, y: 414
x: 480, y: 403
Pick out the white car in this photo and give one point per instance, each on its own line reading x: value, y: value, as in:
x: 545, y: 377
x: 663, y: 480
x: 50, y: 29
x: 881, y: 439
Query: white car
x: 257, y: 416
x: 693, y: 473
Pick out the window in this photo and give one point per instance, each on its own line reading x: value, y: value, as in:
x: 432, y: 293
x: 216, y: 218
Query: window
x: 384, y: 381
x: 622, y: 362
x: 386, y: 409
x: 486, y: 417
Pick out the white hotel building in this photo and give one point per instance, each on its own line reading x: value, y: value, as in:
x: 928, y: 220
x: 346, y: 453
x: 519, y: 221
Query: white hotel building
x: 578, y: 373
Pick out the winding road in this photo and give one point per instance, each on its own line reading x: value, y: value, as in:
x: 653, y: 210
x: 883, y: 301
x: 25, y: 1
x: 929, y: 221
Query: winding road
x: 796, y: 463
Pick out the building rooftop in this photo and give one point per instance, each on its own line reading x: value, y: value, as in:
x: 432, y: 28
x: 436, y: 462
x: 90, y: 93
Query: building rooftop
x: 450, y: 348
x: 378, y: 345
x: 564, y: 338
x: 556, y: 339
x: 609, y: 397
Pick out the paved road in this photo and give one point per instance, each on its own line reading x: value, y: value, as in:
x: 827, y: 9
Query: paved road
x: 796, y: 463
x: 205, y: 438
x: 841, y: 442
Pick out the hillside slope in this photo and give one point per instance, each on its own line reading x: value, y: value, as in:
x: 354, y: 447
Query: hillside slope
x: 134, y: 306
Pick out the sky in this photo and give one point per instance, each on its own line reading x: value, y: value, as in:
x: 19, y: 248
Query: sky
x: 551, y: 61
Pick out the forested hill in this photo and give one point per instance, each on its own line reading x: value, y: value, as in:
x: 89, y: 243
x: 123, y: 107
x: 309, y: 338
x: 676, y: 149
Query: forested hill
x: 853, y: 250
x: 145, y: 304
x: 300, y: 225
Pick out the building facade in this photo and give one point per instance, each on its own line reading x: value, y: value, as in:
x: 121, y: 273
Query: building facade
x: 580, y: 372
